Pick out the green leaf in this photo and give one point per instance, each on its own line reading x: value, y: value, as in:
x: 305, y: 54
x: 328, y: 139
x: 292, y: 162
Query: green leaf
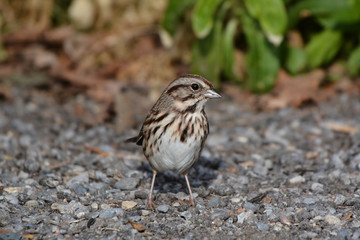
x: 353, y: 63
x: 345, y: 19
x: 295, y: 60
x: 262, y: 63
x: 272, y: 17
x: 203, y: 15
x: 174, y: 11
x: 207, y: 53
x: 228, y: 48
x: 316, y: 7
x: 323, y: 47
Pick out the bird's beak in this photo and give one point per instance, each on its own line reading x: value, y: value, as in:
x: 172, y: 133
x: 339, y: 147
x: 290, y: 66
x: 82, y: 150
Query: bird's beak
x: 212, y: 93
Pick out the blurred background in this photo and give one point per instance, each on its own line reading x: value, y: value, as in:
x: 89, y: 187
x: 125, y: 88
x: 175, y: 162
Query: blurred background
x: 106, y: 55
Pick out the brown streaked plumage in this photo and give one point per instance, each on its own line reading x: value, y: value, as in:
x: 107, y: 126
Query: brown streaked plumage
x: 174, y: 132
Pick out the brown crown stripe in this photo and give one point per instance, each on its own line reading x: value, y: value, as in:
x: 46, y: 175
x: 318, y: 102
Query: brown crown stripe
x: 174, y: 88
x: 197, y: 77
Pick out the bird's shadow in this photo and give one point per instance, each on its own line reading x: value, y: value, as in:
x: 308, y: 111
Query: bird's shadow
x: 202, y: 174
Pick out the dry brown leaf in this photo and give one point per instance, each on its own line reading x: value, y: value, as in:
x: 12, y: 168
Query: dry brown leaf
x: 267, y: 200
x: 347, y: 216
x: 339, y: 127
x: 98, y: 151
x: 247, y: 164
x: 5, y: 92
x: 240, y: 210
x: 293, y: 91
x: 232, y: 213
x: 232, y: 169
x: 138, y: 226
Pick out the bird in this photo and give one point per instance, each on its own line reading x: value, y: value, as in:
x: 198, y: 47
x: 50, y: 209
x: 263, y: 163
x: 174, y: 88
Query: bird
x: 174, y: 131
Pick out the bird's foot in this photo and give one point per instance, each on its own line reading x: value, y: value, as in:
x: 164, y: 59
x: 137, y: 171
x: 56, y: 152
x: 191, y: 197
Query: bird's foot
x: 150, y: 204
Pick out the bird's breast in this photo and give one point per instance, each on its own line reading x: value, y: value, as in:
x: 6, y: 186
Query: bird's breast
x: 177, y: 142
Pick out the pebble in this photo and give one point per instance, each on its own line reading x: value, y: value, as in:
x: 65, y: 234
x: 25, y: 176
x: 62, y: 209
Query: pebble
x: 297, y: 179
x: 128, y: 205
x: 145, y: 212
x: 105, y: 206
x: 332, y: 220
x: 262, y: 226
x: 4, y: 218
x: 317, y: 187
x: 10, y: 236
x: 250, y: 206
x: 235, y: 200
x: 344, y: 233
x: 81, y: 178
x: 25, y: 141
x: 94, y: 206
x: 310, y: 200
x: 186, y: 215
x: 31, y: 203
x: 163, y: 208
x: 127, y: 183
x: 110, y: 213
x: 339, y: 199
x: 248, y: 217
x: 12, y: 199
x: 223, y: 214
x: 214, y: 202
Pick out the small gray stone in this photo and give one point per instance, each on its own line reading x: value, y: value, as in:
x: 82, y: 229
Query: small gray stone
x: 356, y: 234
x: 31, y: 165
x: 222, y: 214
x: 332, y: 220
x: 79, y: 189
x: 81, y: 178
x: 163, y: 208
x: 250, y: 206
x: 260, y: 170
x: 337, y: 161
x: 309, y: 200
x: 12, y: 199
x: 141, y: 194
x: 4, y: 218
x: 246, y: 216
x: 297, y: 179
x: 344, y: 233
x: 10, y: 236
x: 127, y: 183
x: 339, y: 199
x: 25, y: 141
x: 317, y: 187
x: 32, y: 203
x: 186, y: 215
x: 110, y: 213
x: 214, y: 202
x: 262, y: 226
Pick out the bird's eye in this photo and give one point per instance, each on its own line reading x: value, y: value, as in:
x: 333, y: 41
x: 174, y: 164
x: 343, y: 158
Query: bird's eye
x: 195, y: 86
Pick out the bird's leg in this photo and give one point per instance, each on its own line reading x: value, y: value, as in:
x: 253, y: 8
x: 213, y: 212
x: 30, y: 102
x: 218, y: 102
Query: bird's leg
x: 191, y: 199
x: 150, y: 202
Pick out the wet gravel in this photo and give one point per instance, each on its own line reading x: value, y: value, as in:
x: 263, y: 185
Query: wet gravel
x: 289, y: 174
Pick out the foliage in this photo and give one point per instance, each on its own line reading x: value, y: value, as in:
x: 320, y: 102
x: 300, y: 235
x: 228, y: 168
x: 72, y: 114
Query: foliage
x: 325, y: 31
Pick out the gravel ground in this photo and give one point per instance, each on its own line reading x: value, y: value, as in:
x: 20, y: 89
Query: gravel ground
x: 290, y: 174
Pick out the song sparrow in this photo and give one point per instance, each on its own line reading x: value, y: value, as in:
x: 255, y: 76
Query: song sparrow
x: 173, y: 134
